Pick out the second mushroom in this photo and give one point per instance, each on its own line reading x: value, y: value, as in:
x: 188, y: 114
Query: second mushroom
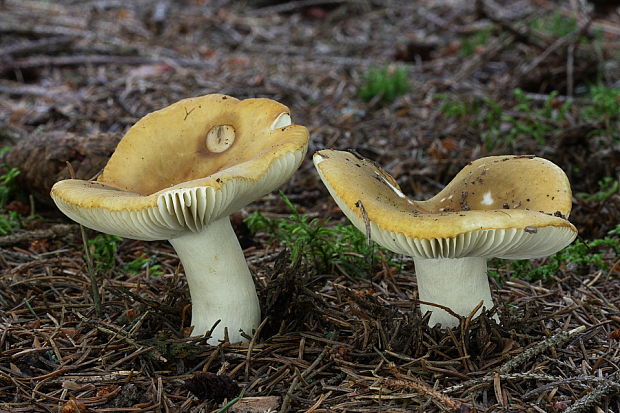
x: 513, y: 207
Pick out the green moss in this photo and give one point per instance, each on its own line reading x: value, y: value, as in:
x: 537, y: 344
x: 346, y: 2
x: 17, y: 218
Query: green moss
x: 384, y: 84
x: 580, y: 256
x: 326, y: 247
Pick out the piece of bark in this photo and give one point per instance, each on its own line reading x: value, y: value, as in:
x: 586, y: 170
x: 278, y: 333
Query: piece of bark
x: 42, y: 158
x: 259, y: 404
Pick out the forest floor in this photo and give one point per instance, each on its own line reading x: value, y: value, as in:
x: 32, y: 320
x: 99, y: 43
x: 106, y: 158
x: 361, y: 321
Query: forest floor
x: 422, y: 88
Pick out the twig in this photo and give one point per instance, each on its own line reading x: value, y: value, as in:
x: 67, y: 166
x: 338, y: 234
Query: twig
x: 570, y: 68
x: 587, y: 402
x: 54, y: 231
x: 232, y: 402
x: 495, y: 13
x: 35, y: 62
x: 89, y: 261
x: 293, y: 5
x: 152, y: 351
x: 248, y: 357
x: 40, y: 30
x: 477, y: 61
x: 558, y: 44
x: 443, y: 307
x: 289, y: 394
x: 47, y: 45
x: 539, y: 348
x: 554, y: 381
x: 158, y: 306
x: 485, y: 379
x: 32, y: 90
x: 577, y: 381
x: 114, y: 377
x: 410, y: 384
x: 91, y: 273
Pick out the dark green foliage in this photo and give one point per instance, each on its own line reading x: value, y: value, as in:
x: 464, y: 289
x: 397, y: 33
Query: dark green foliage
x: 556, y: 25
x: 103, y: 249
x: 579, y: 256
x: 142, y: 263
x: 9, y: 220
x: 326, y: 247
x: 604, y: 108
x: 470, y: 43
x: 384, y: 84
x: 7, y: 185
x: 502, y: 125
x: 607, y: 187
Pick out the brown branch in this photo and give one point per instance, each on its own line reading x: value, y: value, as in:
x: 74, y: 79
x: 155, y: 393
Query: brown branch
x: 556, y: 340
x: 587, y: 402
x: 292, y: 6
x: 34, y: 62
x: 54, y: 231
x: 417, y: 386
x: 47, y: 45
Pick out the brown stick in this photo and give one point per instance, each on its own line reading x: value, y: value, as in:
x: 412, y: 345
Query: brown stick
x: 54, y: 231
x: 47, y: 45
x: 556, y: 340
x: 34, y: 62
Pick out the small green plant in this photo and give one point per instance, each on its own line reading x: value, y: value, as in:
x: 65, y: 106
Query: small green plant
x: 141, y: 263
x: 605, y: 108
x: 470, y: 44
x: 326, y: 247
x: 10, y: 221
x: 384, y: 84
x: 607, y: 187
x: 556, y: 25
x: 459, y: 109
x: 605, y: 101
x: 7, y: 180
x: 103, y: 248
x: 580, y: 255
x: 7, y: 185
x: 505, y: 127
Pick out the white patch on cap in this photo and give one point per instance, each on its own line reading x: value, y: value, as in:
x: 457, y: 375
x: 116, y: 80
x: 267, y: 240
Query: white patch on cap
x: 317, y: 159
x: 220, y: 138
x: 398, y: 191
x: 283, y: 119
x: 487, y: 199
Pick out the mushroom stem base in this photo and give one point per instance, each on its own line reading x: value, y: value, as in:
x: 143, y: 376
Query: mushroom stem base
x: 457, y: 283
x: 220, y: 283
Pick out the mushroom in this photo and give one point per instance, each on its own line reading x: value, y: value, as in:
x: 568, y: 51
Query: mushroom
x: 501, y: 206
x: 177, y: 175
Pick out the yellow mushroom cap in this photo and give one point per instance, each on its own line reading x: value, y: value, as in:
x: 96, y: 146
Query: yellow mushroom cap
x: 181, y: 167
x: 499, y: 206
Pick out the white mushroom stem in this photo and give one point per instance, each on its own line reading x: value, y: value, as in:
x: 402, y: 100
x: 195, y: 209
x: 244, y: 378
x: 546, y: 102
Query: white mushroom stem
x: 457, y: 283
x: 220, y: 283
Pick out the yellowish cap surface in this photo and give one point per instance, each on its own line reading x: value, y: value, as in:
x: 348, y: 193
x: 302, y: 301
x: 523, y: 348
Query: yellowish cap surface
x: 498, y: 206
x: 183, y: 166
